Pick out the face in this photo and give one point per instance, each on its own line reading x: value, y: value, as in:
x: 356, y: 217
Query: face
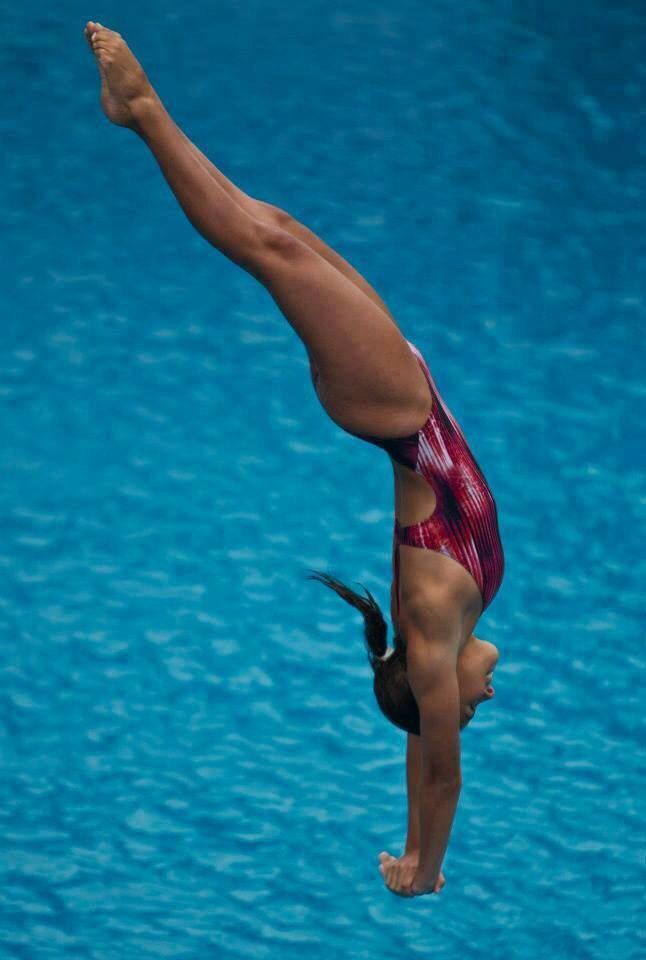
x: 476, y: 663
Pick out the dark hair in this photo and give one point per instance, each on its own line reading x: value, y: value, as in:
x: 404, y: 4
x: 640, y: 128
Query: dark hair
x: 392, y: 690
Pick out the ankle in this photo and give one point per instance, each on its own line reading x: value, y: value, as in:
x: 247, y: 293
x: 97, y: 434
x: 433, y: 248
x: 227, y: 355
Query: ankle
x: 145, y: 110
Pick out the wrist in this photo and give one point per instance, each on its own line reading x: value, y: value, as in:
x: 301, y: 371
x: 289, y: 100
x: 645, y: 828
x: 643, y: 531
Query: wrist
x: 425, y: 875
x: 423, y: 882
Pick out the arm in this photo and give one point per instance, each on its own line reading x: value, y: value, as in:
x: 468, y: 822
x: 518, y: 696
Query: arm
x: 413, y: 765
x: 433, y: 679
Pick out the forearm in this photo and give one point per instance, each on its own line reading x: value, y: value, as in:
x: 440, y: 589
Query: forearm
x: 431, y: 655
x: 437, y: 806
x: 413, y: 765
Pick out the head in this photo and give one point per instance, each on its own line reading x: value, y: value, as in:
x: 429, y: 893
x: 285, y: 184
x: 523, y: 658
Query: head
x: 396, y: 700
x: 476, y: 662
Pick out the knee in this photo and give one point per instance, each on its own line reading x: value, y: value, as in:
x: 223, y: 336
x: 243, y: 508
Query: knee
x: 273, y: 246
x: 274, y: 215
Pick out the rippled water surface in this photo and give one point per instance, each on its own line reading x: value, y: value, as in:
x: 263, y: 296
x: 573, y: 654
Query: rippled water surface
x: 192, y: 761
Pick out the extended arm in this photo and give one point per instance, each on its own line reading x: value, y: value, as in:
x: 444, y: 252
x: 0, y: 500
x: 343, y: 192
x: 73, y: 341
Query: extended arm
x: 431, y: 663
x: 413, y: 767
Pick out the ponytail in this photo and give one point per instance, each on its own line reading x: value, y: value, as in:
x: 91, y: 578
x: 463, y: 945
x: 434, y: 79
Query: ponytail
x: 375, y: 631
x: 391, y: 687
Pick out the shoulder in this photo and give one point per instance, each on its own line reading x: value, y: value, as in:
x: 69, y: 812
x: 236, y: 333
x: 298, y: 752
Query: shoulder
x: 433, y: 585
x: 432, y: 609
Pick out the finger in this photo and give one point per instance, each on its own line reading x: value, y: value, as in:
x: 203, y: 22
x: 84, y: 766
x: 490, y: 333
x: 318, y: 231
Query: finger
x: 390, y: 877
x: 393, y: 874
x: 401, y: 891
x: 400, y: 879
x: 394, y: 888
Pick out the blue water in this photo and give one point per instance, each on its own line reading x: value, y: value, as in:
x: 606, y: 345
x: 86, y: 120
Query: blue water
x: 192, y: 761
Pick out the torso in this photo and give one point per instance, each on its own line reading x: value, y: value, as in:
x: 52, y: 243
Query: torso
x: 415, y: 500
x: 446, y: 536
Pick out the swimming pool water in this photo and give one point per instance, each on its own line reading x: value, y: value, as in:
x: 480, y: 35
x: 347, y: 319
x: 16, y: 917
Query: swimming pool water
x: 192, y: 761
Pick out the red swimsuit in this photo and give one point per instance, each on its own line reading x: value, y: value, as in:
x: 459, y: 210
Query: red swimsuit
x: 464, y: 524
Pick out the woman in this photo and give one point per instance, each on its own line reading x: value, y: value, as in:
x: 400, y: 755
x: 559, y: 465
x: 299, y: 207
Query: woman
x: 447, y: 555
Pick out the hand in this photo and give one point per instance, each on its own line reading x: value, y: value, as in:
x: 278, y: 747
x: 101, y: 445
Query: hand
x: 399, y: 875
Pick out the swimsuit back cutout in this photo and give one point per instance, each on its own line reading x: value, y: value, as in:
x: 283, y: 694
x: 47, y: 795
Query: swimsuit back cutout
x: 464, y: 524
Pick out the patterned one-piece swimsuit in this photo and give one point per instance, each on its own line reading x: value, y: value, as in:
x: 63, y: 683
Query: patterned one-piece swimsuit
x: 464, y: 524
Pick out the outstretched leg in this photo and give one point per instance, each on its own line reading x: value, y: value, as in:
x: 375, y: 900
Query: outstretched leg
x: 368, y: 380
x: 270, y: 213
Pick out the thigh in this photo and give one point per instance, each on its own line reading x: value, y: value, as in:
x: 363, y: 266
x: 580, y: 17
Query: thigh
x: 281, y: 218
x: 365, y: 374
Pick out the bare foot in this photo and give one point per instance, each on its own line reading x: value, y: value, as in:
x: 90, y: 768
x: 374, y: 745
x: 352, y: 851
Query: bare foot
x: 123, y: 81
